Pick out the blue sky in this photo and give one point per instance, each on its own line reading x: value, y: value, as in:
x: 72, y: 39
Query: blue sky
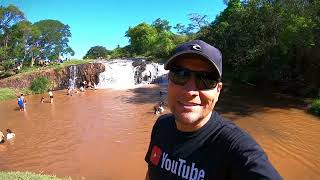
x: 104, y: 22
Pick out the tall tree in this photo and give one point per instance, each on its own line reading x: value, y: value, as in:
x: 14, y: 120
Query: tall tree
x: 142, y: 37
x: 97, y: 52
x: 161, y: 25
x: 54, y: 38
x: 8, y: 17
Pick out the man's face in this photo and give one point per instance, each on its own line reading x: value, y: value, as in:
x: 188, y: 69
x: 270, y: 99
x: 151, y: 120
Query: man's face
x: 191, y: 107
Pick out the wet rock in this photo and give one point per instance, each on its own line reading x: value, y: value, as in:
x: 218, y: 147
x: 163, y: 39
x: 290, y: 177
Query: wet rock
x: 59, y: 78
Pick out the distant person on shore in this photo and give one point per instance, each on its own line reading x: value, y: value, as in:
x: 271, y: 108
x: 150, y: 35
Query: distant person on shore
x: 51, y: 96
x: 21, y: 103
x: 42, y: 99
x: 83, y: 84
x: 10, y: 134
x: 1, y: 137
x: 82, y: 89
x: 194, y: 141
x: 69, y: 92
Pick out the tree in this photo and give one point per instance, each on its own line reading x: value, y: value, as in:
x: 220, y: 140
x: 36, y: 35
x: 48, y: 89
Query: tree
x: 97, y: 52
x: 197, y: 21
x: 54, y: 39
x: 8, y: 17
x: 23, y: 44
x: 163, y: 45
x: 161, y: 25
x: 142, y: 37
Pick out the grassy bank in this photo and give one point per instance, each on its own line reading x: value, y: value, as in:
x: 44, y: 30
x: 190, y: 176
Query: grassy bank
x: 9, y: 93
x: 28, y: 176
x: 28, y: 69
x: 315, y: 107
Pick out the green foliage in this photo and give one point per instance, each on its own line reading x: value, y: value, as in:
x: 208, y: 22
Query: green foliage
x: 9, y: 16
x: 315, y: 107
x: 275, y: 41
x: 22, y: 40
x: 142, y: 37
x: 161, y: 25
x: 8, y: 64
x: 40, y: 85
x: 97, y: 52
x: 7, y: 93
x: 54, y: 38
x: 28, y: 176
x: 163, y: 45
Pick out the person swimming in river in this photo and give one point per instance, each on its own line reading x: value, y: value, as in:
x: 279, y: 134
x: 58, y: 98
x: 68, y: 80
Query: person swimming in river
x: 158, y: 108
x: 21, y: 103
x: 51, y: 96
x: 10, y: 134
x: 42, y: 99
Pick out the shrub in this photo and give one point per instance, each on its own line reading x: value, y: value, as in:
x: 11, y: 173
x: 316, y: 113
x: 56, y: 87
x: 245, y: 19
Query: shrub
x: 315, y: 107
x: 40, y: 85
x: 8, y: 64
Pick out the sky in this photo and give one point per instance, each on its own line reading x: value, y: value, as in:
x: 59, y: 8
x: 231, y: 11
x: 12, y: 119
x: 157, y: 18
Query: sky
x: 105, y: 22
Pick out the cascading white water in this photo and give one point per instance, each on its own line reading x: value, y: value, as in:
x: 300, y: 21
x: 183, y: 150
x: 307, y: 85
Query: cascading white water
x: 155, y: 73
x: 121, y: 74
x: 73, y: 76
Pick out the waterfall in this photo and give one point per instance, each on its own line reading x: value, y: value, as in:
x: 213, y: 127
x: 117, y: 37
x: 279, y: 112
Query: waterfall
x: 125, y: 74
x: 73, y: 76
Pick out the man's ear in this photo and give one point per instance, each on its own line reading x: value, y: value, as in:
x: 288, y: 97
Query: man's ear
x: 219, y: 86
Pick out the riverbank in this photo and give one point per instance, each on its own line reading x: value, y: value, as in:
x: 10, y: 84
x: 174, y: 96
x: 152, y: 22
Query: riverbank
x: 59, y: 77
x: 11, y: 93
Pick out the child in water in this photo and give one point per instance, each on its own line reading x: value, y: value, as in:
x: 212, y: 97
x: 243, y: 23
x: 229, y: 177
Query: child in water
x: 158, y: 109
x: 51, y: 96
x: 10, y: 134
x: 21, y: 103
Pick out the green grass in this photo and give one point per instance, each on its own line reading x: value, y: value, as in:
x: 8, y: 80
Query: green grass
x: 7, y: 93
x: 315, y: 107
x: 56, y: 66
x: 28, y: 176
x: 10, y: 93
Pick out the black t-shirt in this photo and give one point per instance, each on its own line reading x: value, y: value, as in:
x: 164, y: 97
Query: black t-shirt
x: 218, y: 150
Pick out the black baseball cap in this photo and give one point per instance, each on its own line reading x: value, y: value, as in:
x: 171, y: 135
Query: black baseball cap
x: 197, y: 47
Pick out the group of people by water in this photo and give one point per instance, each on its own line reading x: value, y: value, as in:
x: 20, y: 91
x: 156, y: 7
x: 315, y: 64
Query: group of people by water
x: 83, y: 86
x: 22, y: 102
x: 10, y: 135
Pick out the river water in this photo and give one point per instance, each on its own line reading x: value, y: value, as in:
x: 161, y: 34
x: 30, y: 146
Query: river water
x: 104, y: 134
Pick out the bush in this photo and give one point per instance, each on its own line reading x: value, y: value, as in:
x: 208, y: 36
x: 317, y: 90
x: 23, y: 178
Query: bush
x: 315, y: 107
x: 40, y: 85
x: 8, y: 64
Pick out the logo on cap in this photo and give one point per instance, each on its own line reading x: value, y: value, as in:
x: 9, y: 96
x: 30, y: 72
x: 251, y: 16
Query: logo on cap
x: 196, y: 47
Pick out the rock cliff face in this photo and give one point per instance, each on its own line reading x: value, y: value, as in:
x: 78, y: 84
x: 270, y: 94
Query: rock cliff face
x: 59, y: 78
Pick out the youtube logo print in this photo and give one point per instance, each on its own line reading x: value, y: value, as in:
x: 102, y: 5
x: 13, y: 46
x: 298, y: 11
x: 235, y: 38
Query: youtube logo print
x: 155, y: 155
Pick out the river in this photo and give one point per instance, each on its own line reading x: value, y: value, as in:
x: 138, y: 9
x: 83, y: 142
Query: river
x: 104, y: 134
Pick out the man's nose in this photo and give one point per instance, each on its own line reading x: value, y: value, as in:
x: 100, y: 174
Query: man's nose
x: 191, y: 84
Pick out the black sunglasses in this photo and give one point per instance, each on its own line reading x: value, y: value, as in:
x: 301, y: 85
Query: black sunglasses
x: 203, y: 80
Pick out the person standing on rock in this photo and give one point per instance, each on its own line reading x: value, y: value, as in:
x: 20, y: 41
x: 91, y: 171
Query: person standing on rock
x: 195, y: 142
x: 51, y: 96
